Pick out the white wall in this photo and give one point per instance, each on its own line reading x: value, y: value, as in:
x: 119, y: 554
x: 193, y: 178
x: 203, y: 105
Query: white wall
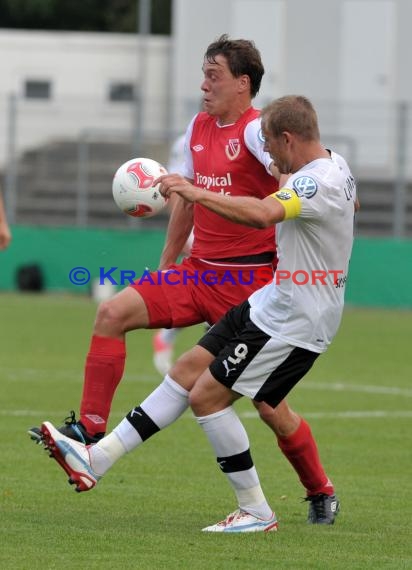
x: 80, y: 67
x: 310, y: 46
x: 197, y: 23
x: 350, y: 56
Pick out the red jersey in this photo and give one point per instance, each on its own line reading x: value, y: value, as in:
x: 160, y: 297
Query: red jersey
x: 222, y: 163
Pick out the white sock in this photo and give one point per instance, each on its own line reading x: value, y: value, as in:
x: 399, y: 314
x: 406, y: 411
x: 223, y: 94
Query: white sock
x: 127, y: 435
x: 163, y: 406
x: 105, y: 453
x: 228, y: 438
x: 166, y: 403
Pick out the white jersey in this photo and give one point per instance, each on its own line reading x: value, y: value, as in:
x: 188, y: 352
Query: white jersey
x: 303, y: 304
x: 177, y: 155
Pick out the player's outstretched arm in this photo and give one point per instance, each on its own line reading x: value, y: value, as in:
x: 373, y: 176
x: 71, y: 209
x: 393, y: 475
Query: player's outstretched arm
x: 243, y: 210
x: 178, y: 230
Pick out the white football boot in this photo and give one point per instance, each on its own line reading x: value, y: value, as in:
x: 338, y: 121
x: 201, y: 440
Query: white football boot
x: 241, y: 521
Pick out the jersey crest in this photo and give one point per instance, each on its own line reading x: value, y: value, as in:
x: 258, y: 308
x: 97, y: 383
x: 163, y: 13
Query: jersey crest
x: 232, y: 149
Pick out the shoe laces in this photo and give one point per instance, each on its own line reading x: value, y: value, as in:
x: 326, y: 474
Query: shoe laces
x: 233, y: 517
x: 70, y: 420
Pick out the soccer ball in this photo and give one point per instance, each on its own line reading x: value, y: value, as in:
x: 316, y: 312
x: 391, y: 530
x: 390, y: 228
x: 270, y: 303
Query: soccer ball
x: 133, y: 189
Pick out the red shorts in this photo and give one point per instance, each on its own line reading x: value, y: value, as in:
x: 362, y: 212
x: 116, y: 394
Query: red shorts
x: 196, y: 291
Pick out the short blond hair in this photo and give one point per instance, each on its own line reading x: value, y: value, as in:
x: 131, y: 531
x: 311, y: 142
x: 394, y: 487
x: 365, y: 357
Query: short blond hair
x: 294, y: 114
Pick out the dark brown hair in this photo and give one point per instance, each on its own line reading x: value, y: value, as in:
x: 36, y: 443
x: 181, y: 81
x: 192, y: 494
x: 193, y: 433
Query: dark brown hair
x: 243, y: 58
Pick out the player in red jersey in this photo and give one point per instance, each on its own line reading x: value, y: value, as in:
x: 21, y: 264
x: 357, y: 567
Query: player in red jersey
x: 226, y: 156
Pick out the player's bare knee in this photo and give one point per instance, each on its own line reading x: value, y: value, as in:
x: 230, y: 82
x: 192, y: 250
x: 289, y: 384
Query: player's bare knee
x: 109, y: 320
x: 209, y: 396
x: 187, y: 369
x: 197, y: 359
x: 197, y: 400
x: 266, y: 413
x: 282, y: 420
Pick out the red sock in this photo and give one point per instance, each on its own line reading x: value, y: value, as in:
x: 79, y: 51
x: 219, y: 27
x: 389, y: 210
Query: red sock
x: 103, y: 372
x: 301, y: 450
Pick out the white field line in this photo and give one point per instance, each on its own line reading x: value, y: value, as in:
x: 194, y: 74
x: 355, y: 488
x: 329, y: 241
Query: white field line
x: 347, y: 415
x: 35, y: 374
x: 14, y: 374
x: 341, y: 387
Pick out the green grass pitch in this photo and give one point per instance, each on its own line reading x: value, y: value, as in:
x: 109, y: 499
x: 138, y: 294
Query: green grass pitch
x: 148, y: 510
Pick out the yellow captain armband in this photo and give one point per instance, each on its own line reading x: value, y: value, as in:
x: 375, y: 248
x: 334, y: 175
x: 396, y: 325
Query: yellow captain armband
x: 290, y: 201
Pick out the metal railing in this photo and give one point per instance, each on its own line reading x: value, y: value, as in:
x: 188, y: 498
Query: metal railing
x: 55, y: 173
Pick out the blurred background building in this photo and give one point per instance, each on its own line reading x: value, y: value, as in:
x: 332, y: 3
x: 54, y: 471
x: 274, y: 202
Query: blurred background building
x: 75, y: 103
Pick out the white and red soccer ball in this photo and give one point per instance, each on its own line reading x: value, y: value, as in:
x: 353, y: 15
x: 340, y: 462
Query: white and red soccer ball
x: 133, y: 189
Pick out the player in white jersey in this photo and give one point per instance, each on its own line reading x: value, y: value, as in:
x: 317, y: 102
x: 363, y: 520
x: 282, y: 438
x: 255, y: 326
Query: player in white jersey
x: 305, y: 306
x: 265, y: 345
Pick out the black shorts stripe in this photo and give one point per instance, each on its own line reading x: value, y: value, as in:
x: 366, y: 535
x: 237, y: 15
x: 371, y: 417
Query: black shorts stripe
x: 286, y: 376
